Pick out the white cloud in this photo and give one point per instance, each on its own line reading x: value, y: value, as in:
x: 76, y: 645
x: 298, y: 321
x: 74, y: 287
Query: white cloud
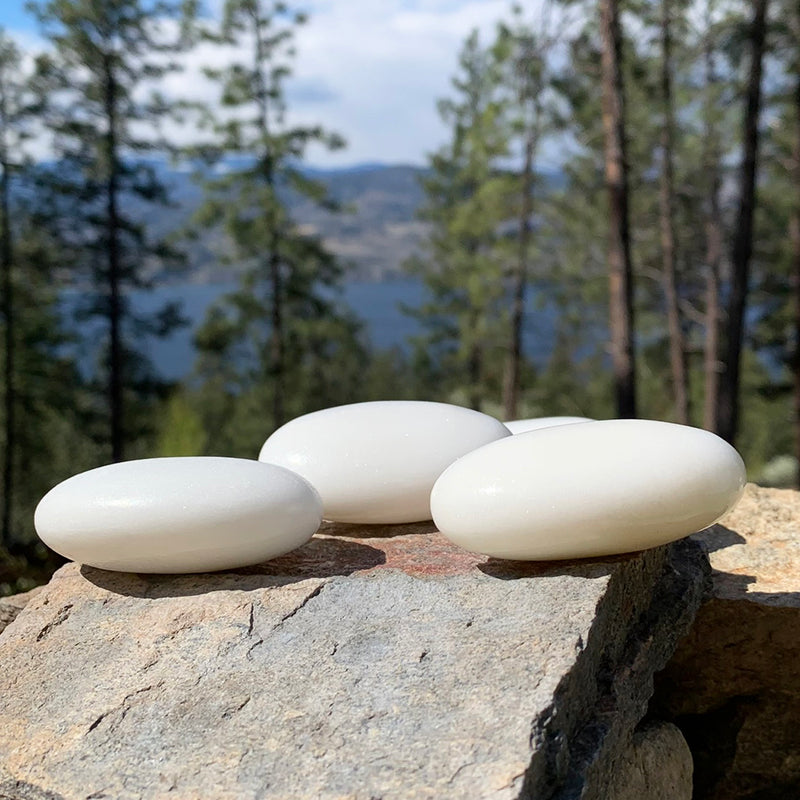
x: 387, y: 63
x: 31, y: 46
x: 370, y: 70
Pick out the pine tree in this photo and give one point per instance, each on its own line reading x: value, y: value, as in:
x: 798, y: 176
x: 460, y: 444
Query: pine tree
x: 55, y: 402
x: 463, y: 263
x: 794, y: 225
x: 620, y: 265
x: 669, y: 253
x: 42, y: 389
x: 576, y: 213
x: 774, y: 291
x: 107, y: 54
x: 525, y: 53
x: 713, y: 227
x: 17, y: 107
x: 49, y: 422
x: 574, y: 217
x: 742, y: 250
x: 284, y: 329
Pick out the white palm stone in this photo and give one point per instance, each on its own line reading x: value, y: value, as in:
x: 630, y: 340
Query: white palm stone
x: 595, y: 489
x: 376, y: 463
x: 176, y: 515
x: 535, y: 423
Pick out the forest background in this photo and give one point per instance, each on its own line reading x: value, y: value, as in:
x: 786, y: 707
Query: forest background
x: 609, y: 227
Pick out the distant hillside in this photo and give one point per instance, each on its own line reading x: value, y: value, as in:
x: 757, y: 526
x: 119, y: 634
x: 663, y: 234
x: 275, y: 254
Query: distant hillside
x: 373, y: 236
x: 377, y: 233
x: 380, y: 231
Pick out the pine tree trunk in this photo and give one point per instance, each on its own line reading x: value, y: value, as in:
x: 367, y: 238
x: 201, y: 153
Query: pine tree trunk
x: 728, y: 405
x: 277, y: 342
x: 475, y: 374
x: 795, y: 239
x: 714, y: 238
x: 114, y: 276
x: 9, y: 397
x: 511, y: 378
x: 620, y: 270
x: 677, y: 346
x: 711, y: 363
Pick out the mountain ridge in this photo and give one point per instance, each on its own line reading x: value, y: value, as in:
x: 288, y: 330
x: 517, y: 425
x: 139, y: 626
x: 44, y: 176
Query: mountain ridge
x: 375, y: 234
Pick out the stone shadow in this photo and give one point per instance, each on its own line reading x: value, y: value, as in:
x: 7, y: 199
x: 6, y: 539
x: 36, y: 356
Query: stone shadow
x: 383, y: 531
x: 714, y: 538
x: 581, y: 568
x: 736, y: 586
x: 319, y: 558
x: 718, y: 537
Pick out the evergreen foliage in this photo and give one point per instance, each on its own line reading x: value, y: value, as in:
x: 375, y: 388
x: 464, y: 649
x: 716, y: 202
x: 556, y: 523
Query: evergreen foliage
x: 463, y: 261
x: 281, y: 341
x: 103, y: 109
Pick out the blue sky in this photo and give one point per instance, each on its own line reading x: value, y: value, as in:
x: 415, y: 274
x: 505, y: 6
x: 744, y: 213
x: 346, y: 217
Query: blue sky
x: 371, y: 70
x: 14, y: 16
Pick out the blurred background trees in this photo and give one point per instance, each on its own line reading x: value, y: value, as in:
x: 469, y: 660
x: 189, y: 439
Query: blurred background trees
x: 102, y: 106
x: 654, y: 271
x: 281, y: 335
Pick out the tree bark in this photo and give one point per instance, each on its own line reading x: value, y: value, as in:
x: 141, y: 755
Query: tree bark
x: 677, y: 346
x: 711, y: 362
x: 794, y: 232
x: 277, y: 341
x: 114, y: 276
x: 9, y: 396
x: 714, y: 239
x: 728, y: 405
x: 475, y: 369
x: 511, y: 378
x: 620, y: 270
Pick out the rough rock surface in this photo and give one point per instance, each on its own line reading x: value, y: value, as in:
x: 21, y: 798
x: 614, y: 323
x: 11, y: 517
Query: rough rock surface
x: 11, y: 606
x: 371, y: 663
x: 657, y: 766
x: 733, y: 686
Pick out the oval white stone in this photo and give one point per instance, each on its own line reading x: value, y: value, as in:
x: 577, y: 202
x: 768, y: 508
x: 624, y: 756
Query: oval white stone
x: 173, y: 515
x: 594, y: 489
x: 377, y: 462
x: 536, y: 423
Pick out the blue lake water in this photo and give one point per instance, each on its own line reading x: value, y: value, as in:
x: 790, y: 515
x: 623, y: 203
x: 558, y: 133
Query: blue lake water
x: 377, y: 304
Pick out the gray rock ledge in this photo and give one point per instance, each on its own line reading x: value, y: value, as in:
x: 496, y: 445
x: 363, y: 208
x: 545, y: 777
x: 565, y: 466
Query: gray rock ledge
x: 11, y: 606
x: 733, y: 686
x: 372, y: 663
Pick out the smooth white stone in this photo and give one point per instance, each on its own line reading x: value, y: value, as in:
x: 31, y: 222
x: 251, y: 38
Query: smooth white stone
x: 174, y: 515
x: 536, y: 423
x: 377, y: 462
x: 576, y: 491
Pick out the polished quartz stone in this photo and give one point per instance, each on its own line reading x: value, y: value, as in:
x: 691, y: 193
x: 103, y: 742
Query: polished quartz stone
x: 595, y: 489
x: 377, y: 462
x: 174, y: 515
